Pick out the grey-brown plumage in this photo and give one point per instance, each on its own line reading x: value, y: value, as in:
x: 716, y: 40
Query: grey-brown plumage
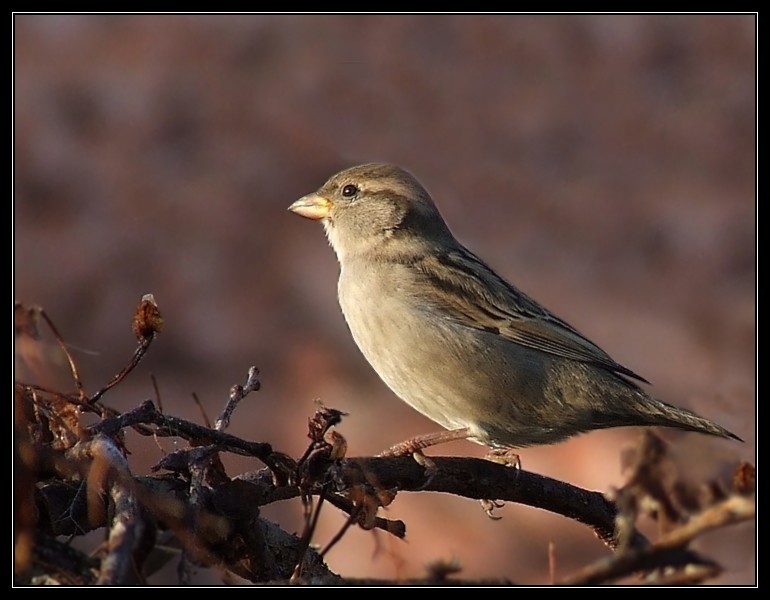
x: 456, y: 341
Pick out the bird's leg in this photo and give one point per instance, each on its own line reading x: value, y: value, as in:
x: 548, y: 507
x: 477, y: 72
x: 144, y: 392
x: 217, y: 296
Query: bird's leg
x: 415, y: 446
x: 420, y: 442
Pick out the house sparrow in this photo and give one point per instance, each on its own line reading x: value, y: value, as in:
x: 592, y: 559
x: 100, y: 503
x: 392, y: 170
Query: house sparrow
x: 456, y: 341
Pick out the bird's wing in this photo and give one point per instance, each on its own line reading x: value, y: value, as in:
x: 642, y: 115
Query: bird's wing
x: 467, y: 291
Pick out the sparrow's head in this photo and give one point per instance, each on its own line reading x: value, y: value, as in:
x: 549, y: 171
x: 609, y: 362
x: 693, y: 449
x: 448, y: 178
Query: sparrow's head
x: 364, y: 208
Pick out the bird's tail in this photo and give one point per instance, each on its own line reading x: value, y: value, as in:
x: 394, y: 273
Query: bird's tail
x: 666, y: 415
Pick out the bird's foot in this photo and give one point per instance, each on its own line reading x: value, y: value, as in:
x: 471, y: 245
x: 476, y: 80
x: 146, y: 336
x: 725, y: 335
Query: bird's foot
x: 430, y: 467
x: 504, y: 456
x: 501, y: 456
x: 488, y: 506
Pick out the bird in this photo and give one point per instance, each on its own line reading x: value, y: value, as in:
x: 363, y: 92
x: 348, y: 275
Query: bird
x: 458, y: 342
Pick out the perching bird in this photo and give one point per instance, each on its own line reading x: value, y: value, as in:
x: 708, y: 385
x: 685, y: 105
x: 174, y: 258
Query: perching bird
x: 456, y: 341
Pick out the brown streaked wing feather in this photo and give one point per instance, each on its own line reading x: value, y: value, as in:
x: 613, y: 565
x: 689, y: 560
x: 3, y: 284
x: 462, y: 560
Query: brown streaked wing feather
x: 459, y: 284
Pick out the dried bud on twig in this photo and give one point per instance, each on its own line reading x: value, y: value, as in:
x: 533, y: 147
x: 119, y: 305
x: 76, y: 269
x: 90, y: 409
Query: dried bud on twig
x: 147, y: 320
x: 323, y: 420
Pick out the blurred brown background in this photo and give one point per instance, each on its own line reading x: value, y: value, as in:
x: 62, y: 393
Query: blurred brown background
x: 604, y: 164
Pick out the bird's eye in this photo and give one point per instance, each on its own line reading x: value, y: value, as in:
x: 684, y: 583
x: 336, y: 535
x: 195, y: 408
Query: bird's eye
x: 349, y: 190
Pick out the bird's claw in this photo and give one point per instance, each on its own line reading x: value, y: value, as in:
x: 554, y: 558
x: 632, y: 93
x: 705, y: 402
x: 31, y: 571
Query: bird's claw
x: 505, y: 456
x: 489, y: 506
x: 430, y: 467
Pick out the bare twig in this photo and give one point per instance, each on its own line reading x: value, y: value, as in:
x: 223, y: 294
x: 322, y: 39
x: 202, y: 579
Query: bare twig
x: 146, y: 413
x: 204, y: 414
x: 352, y: 518
x: 139, y: 353
x: 552, y: 562
x: 73, y: 367
x: 156, y: 389
x: 146, y: 324
x: 665, y: 551
x: 311, y: 521
x: 238, y: 393
x: 391, y: 526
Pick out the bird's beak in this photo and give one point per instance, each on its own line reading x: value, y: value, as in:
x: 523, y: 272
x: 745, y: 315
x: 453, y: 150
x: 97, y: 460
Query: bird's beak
x: 312, y: 206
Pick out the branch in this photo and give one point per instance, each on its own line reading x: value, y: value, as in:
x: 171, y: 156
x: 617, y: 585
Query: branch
x: 481, y: 479
x: 146, y: 413
x: 108, y: 473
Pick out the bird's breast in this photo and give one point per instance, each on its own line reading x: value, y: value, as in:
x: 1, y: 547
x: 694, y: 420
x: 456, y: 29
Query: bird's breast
x: 448, y: 372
